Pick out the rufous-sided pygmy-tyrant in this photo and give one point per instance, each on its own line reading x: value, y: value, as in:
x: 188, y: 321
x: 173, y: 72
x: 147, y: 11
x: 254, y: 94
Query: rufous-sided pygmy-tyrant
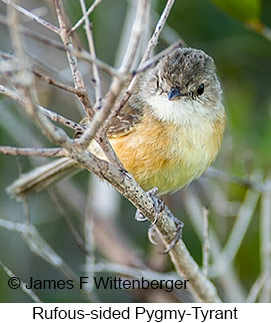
x: 166, y: 135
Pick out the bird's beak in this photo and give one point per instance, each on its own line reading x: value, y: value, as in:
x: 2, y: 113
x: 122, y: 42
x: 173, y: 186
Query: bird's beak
x: 174, y: 93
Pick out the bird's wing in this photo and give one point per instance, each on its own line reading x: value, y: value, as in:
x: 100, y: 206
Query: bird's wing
x: 123, y: 124
x: 130, y: 115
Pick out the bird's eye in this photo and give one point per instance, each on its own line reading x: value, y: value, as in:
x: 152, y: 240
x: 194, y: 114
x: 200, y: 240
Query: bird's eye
x: 200, y: 89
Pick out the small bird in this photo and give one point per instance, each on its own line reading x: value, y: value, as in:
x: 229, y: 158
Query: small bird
x: 168, y: 132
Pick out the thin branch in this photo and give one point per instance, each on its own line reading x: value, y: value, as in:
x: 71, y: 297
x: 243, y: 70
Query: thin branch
x: 62, y: 120
x: 255, y: 289
x: 32, y: 16
x: 76, y: 74
x: 55, y: 83
x: 86, y: 14
x: 242, y: 222
x: 38, y: 152
x: 117, y: 83
x: 96, y: 76
x: 143, y: 9
x: 265, y: 247
x: 151, y: 61
x: 224, y: 176
x: 158, y: 29
x: 85, y: 56
x: 25, y: 80
x: 102, y: 114
x: 27, y: 291
x: 39, y: 246
x: 32, y: 34
x: 89, y: 264
x: 206, y: 243
x: 151, y: 44
x: 135, y: 272
x: 77, y: 236
x: 223, y: 270
x: 48, y: 113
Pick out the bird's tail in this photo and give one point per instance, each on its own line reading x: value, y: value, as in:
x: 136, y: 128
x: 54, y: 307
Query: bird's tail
x: 41, y: 177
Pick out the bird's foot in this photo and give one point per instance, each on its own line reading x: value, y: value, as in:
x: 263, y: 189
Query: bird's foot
x: 178, y: 235
x: 159, y: 206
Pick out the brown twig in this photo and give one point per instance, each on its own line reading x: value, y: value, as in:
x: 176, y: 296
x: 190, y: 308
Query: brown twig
x: 55, y: 83
x: 39, y: 152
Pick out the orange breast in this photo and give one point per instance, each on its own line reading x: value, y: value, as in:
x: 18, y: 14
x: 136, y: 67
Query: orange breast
x: 166, y: 156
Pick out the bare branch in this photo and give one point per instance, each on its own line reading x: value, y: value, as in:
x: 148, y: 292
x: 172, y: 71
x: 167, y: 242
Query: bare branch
x: 89, y: 265
x: 102, y: 114
x: 242, y: 222
x: 84, y: 55
x: 32, y: 16
x: 25, y: 81
x: 34, y: 35
x: 96, y: 76
x: 48, y: 113
x: 55, y: 83
x: 86, y: 14
x: 151, y: 44
x: 67, y: 41
x: 39, y: 246
x: 223, y: 270
x: 224, y: 176
x: 117, y: 83
x: 206, y: 243
x: 39, y: 152
x: 151, y: 61
x: 136, y: 35
x: 255, y: 289
x: 27, y: 291
x: 158, y: 29
x: 265, y: 248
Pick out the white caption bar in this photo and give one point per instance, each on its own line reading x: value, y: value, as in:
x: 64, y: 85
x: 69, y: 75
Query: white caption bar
x: 151, y: 313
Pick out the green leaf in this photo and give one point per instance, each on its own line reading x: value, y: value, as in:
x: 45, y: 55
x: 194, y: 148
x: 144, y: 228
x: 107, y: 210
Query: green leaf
x: 244, y: 10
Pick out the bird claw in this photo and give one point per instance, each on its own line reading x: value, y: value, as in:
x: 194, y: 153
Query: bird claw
x: 151, y: 233
x: 159, y: 206
x: 178, y: 236
x: 140, y: 217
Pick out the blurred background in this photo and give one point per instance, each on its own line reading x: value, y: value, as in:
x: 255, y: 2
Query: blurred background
x: 82, y: 213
